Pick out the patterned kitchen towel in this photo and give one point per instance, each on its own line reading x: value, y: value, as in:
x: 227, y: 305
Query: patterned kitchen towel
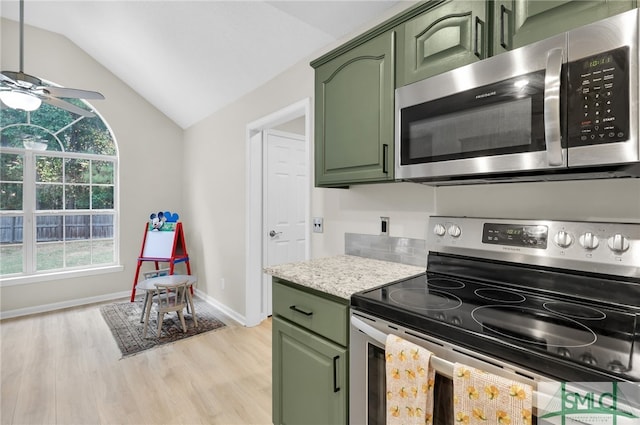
x: 409, y: 383
x: 483, y: 398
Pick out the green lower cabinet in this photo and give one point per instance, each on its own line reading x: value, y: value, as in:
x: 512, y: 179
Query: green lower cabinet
x: 309, y: 377
x: 521, y: 22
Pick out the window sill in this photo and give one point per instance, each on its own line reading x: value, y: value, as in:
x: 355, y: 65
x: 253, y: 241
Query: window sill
x: 45, y: 277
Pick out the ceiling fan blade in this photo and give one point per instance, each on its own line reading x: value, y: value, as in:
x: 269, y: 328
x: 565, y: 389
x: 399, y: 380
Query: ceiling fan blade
x: 21, y: 79
x: 71, y: 93
x: 67, y: 106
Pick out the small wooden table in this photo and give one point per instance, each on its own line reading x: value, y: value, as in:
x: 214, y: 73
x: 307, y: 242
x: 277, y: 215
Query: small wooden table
x: 149, y: 286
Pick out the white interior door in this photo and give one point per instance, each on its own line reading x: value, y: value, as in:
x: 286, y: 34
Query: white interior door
x: 284, y: 197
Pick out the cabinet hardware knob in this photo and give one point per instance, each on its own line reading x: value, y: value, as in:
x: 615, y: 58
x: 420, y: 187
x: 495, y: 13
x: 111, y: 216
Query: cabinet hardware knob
x: 385, y: 158
x: 503, y: 11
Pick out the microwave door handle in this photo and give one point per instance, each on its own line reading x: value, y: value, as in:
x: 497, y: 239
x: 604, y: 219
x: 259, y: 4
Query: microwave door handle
x: 552, y: 82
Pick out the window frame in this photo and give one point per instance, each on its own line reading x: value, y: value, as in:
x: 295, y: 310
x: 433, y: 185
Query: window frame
x: 29, y: 213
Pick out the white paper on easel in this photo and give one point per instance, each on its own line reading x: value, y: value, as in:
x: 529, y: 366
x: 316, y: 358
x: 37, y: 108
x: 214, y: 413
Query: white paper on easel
x: 159, y: 244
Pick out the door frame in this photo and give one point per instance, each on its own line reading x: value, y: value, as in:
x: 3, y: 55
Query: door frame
x: 254, y: 246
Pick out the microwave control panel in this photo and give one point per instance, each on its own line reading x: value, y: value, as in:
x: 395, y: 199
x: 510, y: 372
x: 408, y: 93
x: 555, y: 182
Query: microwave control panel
x: 598, y: 101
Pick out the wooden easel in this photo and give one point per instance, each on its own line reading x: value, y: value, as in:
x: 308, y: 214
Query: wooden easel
x: 162, y: 246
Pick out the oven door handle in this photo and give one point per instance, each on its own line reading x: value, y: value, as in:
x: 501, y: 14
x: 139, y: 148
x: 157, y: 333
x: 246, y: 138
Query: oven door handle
x: 445, y: 368
x: 441, y: 366
x: 370, y: 331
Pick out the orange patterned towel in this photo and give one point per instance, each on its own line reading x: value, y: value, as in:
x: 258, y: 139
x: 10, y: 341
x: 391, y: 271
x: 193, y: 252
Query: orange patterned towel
x: 483, y: 398
x: 409, y: 383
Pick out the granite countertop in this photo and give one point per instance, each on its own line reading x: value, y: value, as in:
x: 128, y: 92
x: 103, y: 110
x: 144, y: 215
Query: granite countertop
x: 343, y: 275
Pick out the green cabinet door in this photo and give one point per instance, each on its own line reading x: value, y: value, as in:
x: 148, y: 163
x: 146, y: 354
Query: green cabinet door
x: 309, y: 377
x: 354, y: 99
x: 521, y: 22
x: 443, y: 38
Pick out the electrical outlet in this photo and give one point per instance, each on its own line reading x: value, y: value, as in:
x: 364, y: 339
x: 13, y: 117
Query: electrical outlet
x: 384, y: 226
x: 317, y: 225
x: 222, y: 282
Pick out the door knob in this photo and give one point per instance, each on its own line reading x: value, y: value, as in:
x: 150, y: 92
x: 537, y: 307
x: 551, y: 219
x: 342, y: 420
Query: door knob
x: 274, y: 233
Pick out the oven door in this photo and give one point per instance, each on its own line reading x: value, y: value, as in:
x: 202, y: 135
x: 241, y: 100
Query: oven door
x: 367, y: 382
x: 367, y: 387
x: 498, y: 115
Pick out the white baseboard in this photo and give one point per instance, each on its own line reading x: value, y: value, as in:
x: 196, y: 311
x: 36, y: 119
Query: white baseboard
x: 110, y: 297
x: 225, y: 309
x: 64, y: 304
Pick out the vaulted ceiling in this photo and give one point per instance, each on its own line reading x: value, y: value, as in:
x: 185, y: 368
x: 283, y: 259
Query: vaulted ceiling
x: 191, y: 58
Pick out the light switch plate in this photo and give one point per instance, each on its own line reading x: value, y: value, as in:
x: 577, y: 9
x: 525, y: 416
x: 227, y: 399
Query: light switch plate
x: 317, y: 225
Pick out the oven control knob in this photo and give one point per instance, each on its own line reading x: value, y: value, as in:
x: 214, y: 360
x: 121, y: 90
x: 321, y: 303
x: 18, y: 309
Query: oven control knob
x: 455, y: 320
x: 454, y: 230
x: 588, y: 359
x: 439, y: 230
x: 589, y: 241
x: 616, y: 366
x: 563, y: 239
x: 618, y: 243
x: 564, y: 352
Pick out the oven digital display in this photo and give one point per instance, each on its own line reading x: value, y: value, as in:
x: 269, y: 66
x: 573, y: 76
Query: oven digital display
x: 515, y: 235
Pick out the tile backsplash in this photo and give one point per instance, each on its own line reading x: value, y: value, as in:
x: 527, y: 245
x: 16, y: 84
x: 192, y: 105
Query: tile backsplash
x: 398, y: 250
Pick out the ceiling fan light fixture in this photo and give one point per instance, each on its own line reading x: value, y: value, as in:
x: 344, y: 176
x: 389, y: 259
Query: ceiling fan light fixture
x: 19, y: 90
x: 20, y: 100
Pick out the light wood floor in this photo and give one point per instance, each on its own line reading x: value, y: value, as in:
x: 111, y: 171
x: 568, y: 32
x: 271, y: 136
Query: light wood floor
x: 65, y: 368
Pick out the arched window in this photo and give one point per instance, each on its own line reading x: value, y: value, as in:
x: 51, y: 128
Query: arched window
x: 58, y: 192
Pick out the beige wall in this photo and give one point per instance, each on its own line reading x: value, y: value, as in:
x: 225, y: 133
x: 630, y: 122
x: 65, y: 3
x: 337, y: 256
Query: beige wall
x: 215, y: 155
x: 359, y: 208
x: 150, y: 168
x: 589, y: 200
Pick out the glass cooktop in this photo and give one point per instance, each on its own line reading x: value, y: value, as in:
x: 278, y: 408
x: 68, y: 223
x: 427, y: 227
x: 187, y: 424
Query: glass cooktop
x: 597, y: 336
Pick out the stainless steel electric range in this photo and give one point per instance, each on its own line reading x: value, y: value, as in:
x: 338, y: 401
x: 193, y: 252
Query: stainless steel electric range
x: 535, y: 300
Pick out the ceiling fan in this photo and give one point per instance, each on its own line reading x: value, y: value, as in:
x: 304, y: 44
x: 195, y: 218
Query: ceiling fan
x: 26, y: 92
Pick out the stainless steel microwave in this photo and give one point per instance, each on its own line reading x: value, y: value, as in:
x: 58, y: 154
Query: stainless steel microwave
x: 562, y: 108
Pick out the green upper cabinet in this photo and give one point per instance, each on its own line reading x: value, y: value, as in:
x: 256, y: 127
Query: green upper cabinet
x: 354, y: 99
x: 521, y: 22
x: 354, y: 86
x: 449, y: 35
x: 454, y: 33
